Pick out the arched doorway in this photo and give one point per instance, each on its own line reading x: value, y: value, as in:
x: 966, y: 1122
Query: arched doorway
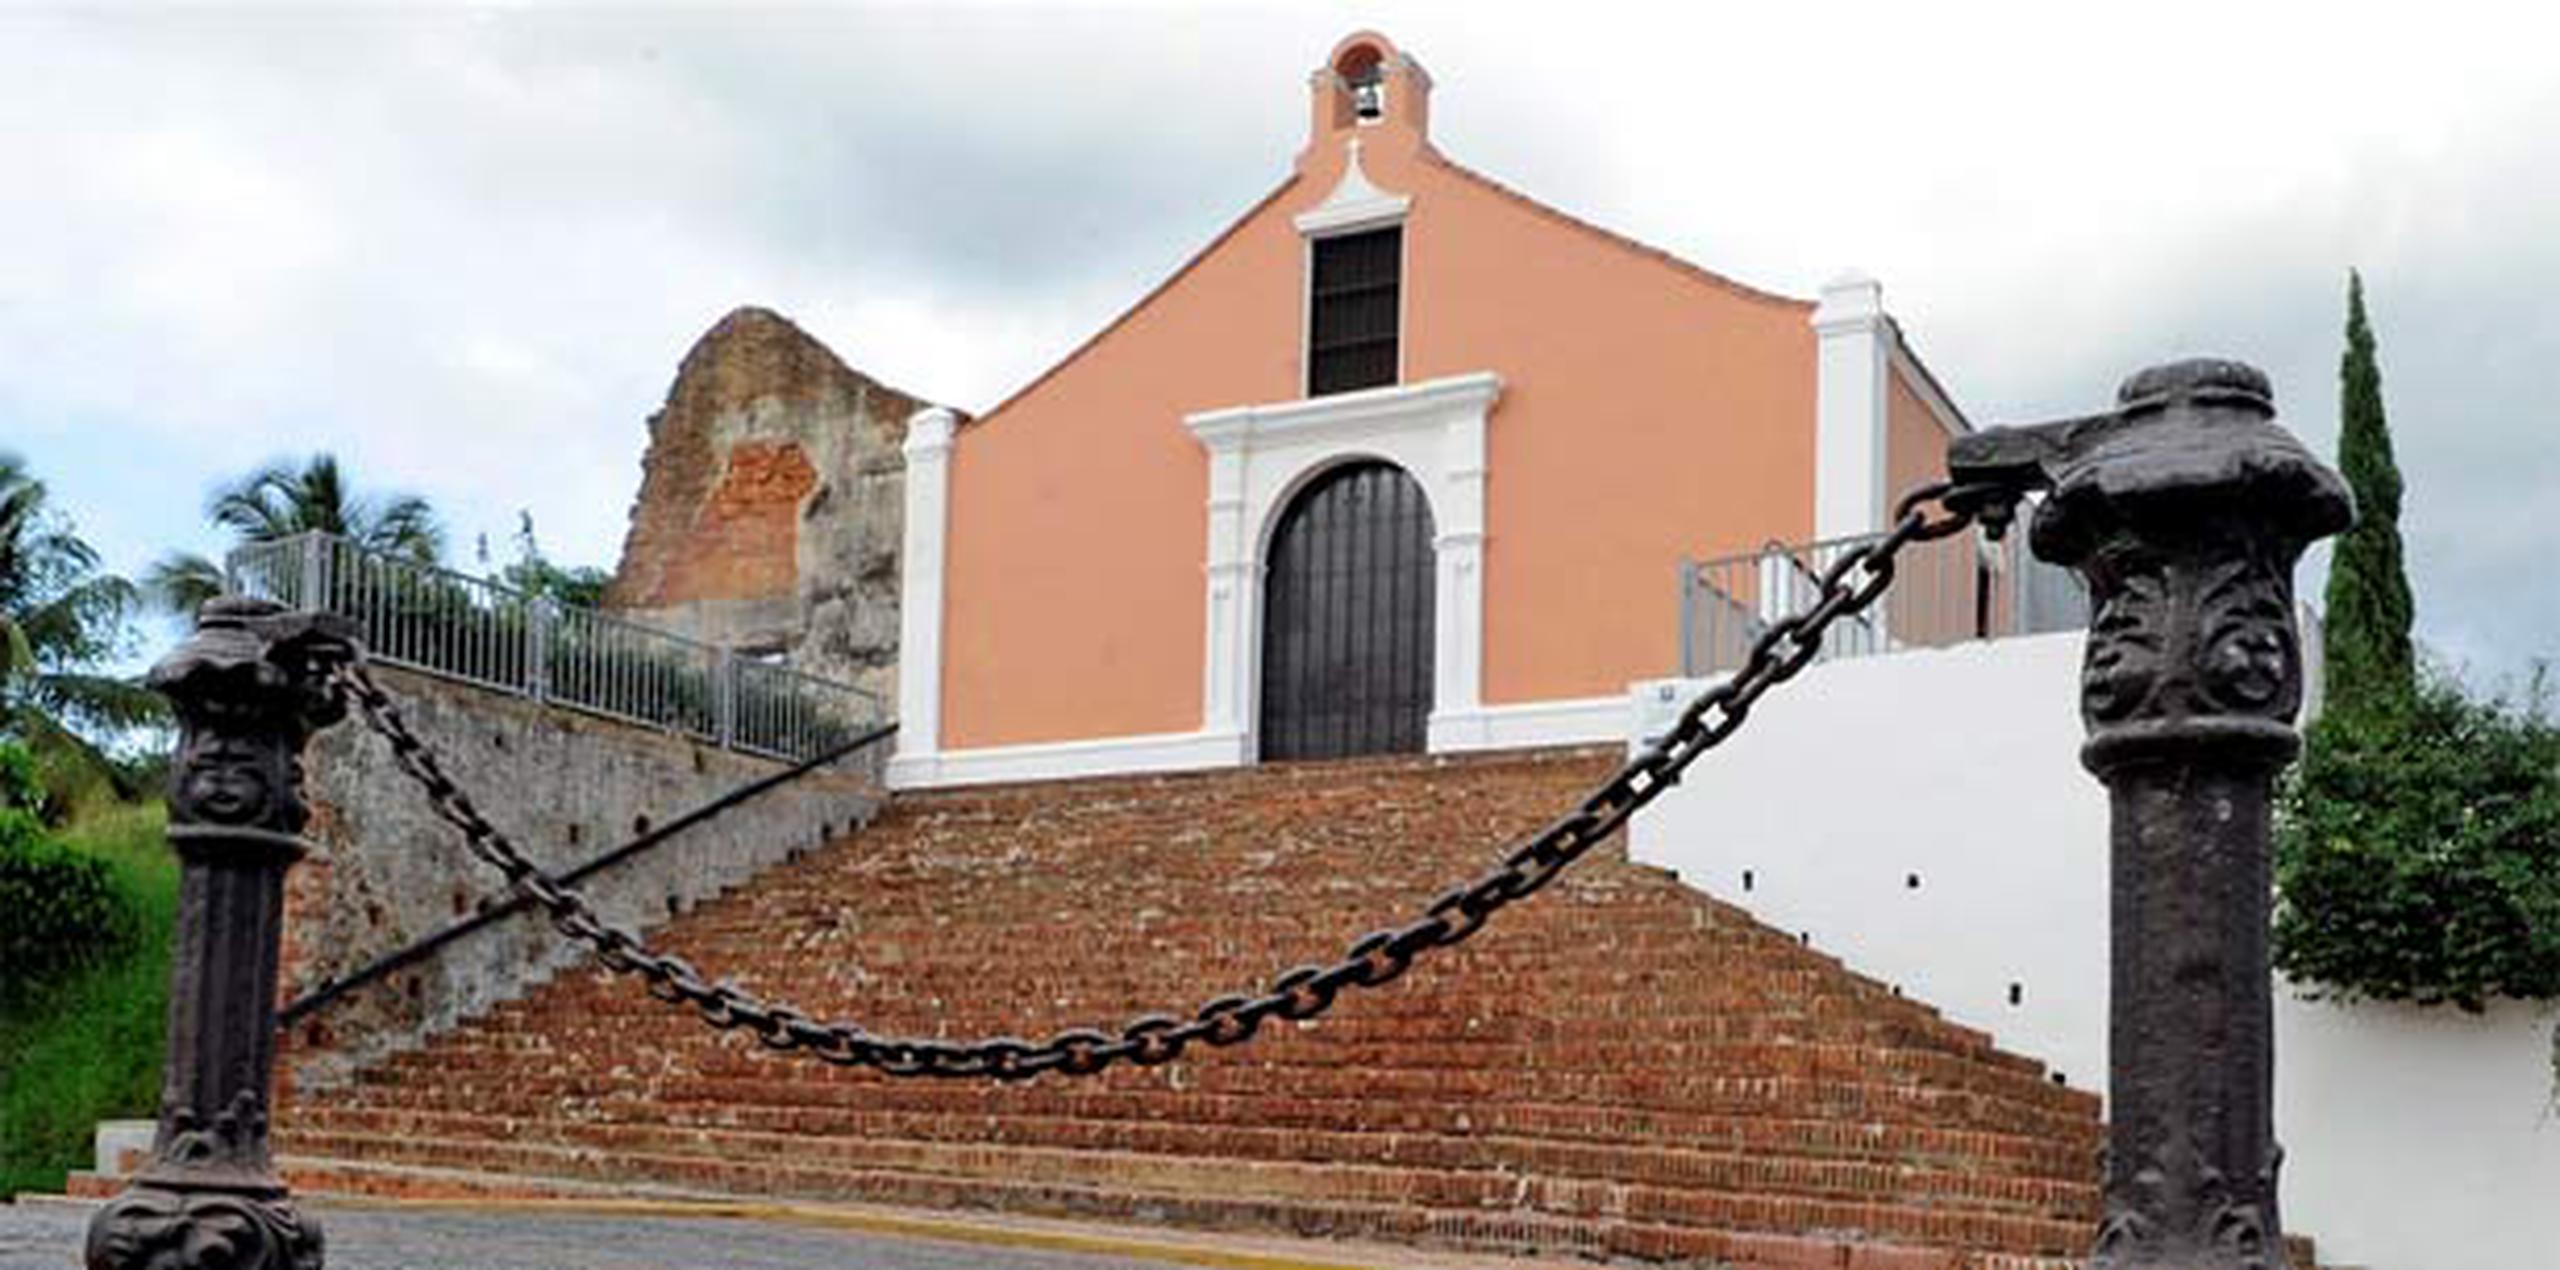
x: 1347, y: 612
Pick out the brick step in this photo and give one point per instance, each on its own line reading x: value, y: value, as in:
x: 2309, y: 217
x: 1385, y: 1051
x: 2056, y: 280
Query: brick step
x: 1433, y: 1006
x: 846, y: 1138
x: 675, y: 1042
x: 1434, y: 1002
x: 1207, y: 908
x: 1423, y: 1016
x: 1430, y: 1005
x: 1159, y: 976
x: 1307, y: 1059
x: 1225, y: 1193
x: 1707, y: 1093
x: 804, y: 899
x: 1522, y: 959
x: 845, y: 912
x: 1886, y: 1071
x: 2064, y: 1158
x: 1373, y: 1023
x: 992, y: 989
x: 1548, y: 927
x: 808, y: 907
x: 970, y: 1109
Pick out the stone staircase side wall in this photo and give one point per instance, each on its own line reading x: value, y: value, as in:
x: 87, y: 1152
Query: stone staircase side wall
x: 568, y: 786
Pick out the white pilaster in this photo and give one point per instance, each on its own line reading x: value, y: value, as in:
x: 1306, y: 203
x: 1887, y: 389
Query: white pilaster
x: 1457, y: 664
x: 920, y: 571
x: 1233, y: 586
x: 1852, y: 361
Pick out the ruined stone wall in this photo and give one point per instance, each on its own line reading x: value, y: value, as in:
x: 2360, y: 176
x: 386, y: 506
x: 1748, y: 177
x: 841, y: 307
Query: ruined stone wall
x: 771, y: 504
x: 567, y: 787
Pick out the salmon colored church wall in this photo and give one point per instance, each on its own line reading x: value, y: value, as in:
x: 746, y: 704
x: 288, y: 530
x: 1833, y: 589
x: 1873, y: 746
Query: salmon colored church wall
x: 1915, y: 442
x: 1648, y: 412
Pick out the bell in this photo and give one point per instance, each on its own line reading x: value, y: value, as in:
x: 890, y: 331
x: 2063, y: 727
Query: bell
x: 1369, y: 98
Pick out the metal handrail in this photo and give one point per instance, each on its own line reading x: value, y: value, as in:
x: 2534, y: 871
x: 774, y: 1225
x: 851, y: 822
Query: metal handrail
x: 432, y: 619
x: 420, y: 949
x: 1954, y: 590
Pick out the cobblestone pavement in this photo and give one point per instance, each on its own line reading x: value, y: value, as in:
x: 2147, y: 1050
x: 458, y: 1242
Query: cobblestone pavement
x: 47, y: 1237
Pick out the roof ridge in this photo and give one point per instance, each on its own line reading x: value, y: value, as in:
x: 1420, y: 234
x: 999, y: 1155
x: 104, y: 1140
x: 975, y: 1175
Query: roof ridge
x: 1929, y: 377
x: 1165, y: 284
x: 1436, y: 155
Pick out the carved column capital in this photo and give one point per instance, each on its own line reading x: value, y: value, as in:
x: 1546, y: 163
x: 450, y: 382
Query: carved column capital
x: 249, y: 687
x: 2185, y: 512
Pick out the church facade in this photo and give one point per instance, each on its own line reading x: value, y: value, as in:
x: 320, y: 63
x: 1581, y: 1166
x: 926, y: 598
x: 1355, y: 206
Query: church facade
x: 1402, y: 460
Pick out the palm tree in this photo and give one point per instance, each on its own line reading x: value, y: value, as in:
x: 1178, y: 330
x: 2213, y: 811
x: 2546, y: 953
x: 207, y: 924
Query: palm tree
x: 281, y: 500
x: 60, y: 618
x: 181, y: 581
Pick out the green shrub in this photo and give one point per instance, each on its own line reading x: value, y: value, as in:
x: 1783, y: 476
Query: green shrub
x: 21, y: 780
x: 88, y: 1048
x: 2418, y: 853
x: 134, y: 837
x: 66, y: 911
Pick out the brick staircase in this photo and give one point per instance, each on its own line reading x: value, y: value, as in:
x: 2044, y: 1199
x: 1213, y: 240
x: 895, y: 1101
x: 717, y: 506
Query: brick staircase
x: 1622, y: 1067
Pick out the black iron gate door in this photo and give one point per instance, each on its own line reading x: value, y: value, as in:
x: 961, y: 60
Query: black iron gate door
x: 1346, y: 631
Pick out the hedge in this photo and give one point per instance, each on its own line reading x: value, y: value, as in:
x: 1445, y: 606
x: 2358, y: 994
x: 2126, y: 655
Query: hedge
x: 2418, y: 853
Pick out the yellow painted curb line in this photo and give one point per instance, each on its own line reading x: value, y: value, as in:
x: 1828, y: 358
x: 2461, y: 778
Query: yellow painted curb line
x: 868, y: 1223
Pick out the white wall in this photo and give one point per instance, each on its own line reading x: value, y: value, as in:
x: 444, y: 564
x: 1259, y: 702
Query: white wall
x: 2415, y: 1139
x: 2419, y: 1139
x: 1959, y: 766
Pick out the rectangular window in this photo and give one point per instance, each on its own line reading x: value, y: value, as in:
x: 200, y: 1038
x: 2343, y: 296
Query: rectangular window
x: 1353, y: 304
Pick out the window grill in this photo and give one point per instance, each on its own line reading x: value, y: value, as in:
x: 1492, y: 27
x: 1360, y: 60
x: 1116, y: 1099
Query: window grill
x: 1355, y: 297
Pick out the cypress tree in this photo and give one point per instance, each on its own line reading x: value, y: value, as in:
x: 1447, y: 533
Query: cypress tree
x: 2370, y: 665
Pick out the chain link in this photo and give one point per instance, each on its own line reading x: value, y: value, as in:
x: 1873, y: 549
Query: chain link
x: 1854, y: 582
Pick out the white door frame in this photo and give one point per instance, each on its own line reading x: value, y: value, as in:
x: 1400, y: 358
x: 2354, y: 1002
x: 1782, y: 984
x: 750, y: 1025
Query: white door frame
x: 1261, y: 456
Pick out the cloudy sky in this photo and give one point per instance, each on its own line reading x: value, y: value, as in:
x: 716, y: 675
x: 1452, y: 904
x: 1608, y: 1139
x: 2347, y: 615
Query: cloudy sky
x: 465, y: 248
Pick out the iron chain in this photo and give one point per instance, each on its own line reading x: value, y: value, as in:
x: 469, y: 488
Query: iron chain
x: 1854, y: 582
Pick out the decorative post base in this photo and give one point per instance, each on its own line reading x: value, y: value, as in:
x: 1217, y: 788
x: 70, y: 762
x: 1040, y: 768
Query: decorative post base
x: 2185, y: 510
x: 148, y: 1228
x: 249, y: 688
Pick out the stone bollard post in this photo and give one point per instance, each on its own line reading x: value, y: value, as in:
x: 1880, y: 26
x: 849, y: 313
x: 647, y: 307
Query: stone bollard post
x: 250, y: 687
x: 2185, y: 510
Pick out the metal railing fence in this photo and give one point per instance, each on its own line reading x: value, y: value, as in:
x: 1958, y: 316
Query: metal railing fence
x: 432, y: 619
x: 1955, y: 589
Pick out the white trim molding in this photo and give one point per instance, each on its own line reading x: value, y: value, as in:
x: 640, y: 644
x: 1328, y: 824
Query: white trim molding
x: 1851, y: 394
x: 1354, y: 204
x: 1531, y: 724
x: 1261, y: 456
x: 1068, y: 760
x: 920, y: 569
